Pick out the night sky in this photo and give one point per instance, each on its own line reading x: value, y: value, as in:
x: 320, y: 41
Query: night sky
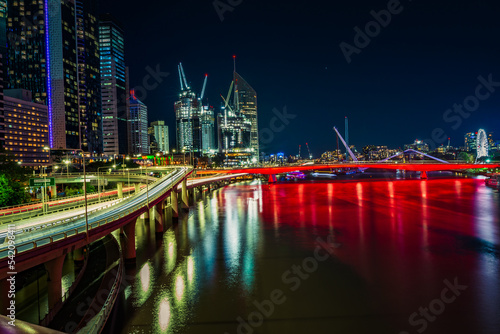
x: 395, y: 90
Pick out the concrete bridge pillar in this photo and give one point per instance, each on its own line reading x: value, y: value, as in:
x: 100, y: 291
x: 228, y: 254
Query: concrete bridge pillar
x: 129, y: 230
x: 159, y: 216
x: 175, y: 204
x: 54, y: 280
x: 185, y: 200
x: 147, y: 215
x: 137, y: 187
x: 119, y: 186
x: 272, y: 178
x: 78, y: 254
x: 53, y: 191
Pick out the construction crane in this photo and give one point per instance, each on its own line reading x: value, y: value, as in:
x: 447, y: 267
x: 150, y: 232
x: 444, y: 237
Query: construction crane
x: 184, y: 76
x: 308, y: 150
x: 180, y: 76
x: 203, y: 90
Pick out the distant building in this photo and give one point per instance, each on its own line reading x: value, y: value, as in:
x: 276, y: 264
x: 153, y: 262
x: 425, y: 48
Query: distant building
x: 418, y: 145
x: 187, y: 114
x: 139, y: 143
x: 470, y: 141
x: 26, y: 128
x: 246, y: 103
x: 114, y: 91
x: 207, y: 130
x: 159, y: 131
x: 234, y: 137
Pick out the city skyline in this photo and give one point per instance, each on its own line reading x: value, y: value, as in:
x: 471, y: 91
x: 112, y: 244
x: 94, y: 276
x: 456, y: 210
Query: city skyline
x: 437, y: 66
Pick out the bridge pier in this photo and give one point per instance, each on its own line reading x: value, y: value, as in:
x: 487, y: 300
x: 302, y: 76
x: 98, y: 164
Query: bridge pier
x: 147, y: 215
x: 423, y: 175
x: 54, y: 281
x: 175, y: 203
x: 159, y: 216
x: 119, y: 186
x: 272, y: 178
x: 137, y: 187
x: 78, y: 254
x: 185, y: 200
x: 129, y: 230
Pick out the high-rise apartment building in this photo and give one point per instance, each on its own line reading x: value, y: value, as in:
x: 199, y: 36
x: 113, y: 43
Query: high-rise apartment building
x: 138, y: 126
x: 26, y: 128
x: 113, y: 86
x: 89, y: 82
x: 159, y: 130
x: 53, y: 52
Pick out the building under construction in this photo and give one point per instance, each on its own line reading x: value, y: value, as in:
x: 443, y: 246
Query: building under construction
x: 237, y: 125
x: 194, y: 122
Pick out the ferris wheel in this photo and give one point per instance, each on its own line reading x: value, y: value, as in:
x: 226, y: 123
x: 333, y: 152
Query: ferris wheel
x: 482, y: 144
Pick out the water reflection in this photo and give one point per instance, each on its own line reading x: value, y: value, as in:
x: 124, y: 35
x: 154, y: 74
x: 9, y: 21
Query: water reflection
x: 398, y: 241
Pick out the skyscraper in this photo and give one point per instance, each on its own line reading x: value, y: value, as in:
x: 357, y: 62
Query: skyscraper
x: 187, y: 114
x: 113, y: 86
x: 234, y: 134
x: 207, y: 129
x: 246, y: 103
x: 87, y: 27
x: 52, y: 51
x: 26, y: 59
x: 138, y: 126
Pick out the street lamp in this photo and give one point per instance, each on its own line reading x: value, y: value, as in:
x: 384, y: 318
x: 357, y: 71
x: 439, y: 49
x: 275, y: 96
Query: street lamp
x: 147, y: 184
x: 67, y: 168
x: 184, y: 159
x: 85, y: 194
x: 98, y: 183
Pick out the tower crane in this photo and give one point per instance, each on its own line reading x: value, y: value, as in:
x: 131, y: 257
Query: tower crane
x: 309, y: 151
x: 204, y: 86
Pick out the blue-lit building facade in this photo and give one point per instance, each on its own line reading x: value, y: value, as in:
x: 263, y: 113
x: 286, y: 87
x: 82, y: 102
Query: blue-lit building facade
x: 53, y: 52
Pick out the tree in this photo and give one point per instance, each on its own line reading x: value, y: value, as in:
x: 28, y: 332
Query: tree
x: 11, y: 192
x: 467, y: 157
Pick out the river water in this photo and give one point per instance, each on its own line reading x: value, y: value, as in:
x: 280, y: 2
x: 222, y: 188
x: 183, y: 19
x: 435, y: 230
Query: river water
x: 359, y: 256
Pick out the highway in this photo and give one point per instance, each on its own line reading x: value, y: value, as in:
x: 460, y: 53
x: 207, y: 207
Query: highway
x: 68, y: 227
